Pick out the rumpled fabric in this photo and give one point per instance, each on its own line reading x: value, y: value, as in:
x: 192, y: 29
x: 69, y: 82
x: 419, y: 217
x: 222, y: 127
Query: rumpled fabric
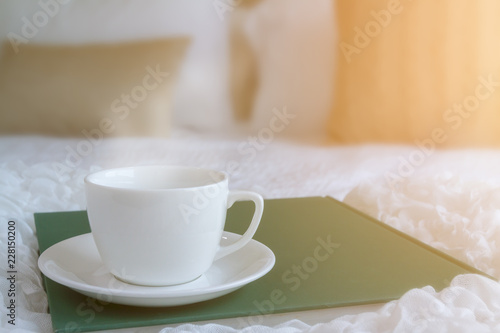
x: 460, y: 218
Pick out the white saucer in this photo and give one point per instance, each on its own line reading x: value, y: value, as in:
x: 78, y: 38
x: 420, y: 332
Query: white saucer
x: 75, y: 263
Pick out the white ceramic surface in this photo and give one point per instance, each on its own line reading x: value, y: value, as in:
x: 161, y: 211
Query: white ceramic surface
x: 75, y: 263
x: 162, y: 225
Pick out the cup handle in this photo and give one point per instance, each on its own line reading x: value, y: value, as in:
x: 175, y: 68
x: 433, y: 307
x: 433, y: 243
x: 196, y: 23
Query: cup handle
x: 252, y: 228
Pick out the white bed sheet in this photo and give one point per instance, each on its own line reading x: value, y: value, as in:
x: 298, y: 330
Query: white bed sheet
x: 451, y: 201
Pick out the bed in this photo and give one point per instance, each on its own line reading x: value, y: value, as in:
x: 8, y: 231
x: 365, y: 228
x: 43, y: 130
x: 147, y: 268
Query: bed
x: 447, y: 198
x: 451, y: 203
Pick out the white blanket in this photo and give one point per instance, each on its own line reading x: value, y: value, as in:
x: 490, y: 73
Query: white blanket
x: 448, y: 199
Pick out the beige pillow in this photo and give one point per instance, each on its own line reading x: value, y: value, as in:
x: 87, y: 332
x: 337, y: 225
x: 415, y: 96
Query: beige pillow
x: 418, y: 71
x: 116, y: 89
x: 242, y: 67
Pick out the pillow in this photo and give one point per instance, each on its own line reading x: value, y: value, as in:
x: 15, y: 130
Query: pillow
x: 201, y: 99
x: 243, y: 67
x: 293, y: 42
x: 112, y: 89
x: 418, y: 72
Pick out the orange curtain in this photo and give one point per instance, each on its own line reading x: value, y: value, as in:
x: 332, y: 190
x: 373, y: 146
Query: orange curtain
x: 413, y: 70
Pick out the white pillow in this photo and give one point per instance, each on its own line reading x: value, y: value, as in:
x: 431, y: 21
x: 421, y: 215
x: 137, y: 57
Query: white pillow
x: 201, y: 99
x: 294, y: 42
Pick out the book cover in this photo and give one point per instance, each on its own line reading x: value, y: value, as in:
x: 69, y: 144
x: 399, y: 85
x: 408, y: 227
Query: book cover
x: 327, y: 255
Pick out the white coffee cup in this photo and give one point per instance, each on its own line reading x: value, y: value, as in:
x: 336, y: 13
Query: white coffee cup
x: 162, y: 225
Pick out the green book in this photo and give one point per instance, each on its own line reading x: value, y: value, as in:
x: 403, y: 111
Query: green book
x: 327, y: 255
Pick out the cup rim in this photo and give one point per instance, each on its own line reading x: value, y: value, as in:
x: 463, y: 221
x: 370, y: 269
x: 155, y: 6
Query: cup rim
x: 224, y: 178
